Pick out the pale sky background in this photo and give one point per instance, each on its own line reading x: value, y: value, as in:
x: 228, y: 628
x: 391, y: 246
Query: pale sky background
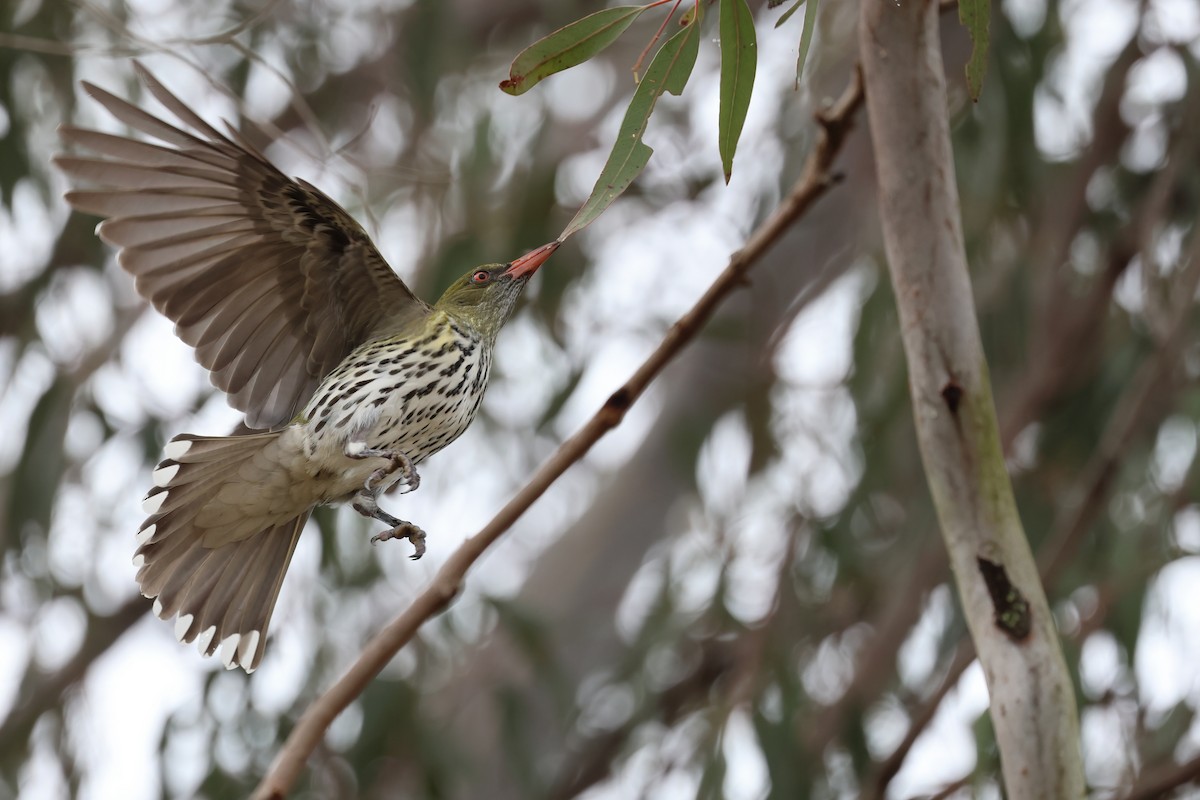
x: 147, y: 675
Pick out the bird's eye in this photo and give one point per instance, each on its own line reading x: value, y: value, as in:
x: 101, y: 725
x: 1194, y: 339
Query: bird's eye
x: 481, y: 277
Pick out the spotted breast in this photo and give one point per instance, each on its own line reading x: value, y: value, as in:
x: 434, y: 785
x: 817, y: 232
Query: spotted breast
x: 413, y: 395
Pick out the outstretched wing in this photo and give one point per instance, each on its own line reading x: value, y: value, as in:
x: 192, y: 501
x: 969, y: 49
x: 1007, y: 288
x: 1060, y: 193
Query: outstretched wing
x: 268, y: 279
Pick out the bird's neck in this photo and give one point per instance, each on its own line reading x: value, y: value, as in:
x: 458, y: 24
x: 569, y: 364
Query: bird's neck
x: 460, y: 325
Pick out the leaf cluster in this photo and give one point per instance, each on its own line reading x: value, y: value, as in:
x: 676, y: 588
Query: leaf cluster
x: 669, y: 70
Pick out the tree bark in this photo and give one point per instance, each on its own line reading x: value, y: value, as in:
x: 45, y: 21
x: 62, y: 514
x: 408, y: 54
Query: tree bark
x: 1032, y: 698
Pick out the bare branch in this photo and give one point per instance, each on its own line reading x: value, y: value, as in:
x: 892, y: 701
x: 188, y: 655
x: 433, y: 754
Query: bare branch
x: 593, y: 761
x: 874, y: 664
x: 1068, y: 339
x: 1148, y: 393
x: 1032, y: 697
x: 964, y: 655
x: 1162, y: 781
x: 735, y: 667
x: 815, y: 180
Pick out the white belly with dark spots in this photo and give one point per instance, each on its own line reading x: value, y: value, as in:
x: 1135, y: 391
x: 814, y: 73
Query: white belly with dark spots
x: 409, y: 398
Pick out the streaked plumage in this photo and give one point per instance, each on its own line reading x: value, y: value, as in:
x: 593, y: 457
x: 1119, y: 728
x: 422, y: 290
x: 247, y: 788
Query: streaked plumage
x: 347, y: 378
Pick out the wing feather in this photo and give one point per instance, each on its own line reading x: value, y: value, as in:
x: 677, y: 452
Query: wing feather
x: 268, y: 279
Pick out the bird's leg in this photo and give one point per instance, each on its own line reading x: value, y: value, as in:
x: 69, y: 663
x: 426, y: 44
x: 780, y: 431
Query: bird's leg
x: 366, y: 502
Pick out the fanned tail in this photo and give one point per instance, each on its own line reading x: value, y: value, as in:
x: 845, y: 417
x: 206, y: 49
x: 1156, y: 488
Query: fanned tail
x: 218, y: 541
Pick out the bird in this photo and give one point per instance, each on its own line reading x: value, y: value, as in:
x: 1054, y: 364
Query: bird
x: 345, y: 378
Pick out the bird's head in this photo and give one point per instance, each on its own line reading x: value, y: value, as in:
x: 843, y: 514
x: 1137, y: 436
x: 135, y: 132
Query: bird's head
x: 484, y: 298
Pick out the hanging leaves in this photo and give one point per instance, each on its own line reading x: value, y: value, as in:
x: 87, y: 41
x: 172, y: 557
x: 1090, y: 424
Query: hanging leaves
x: 787, y: 14
x: 669, y: 71
x: 806, y: 34
x: 810, y: 24
x: 739, y: 59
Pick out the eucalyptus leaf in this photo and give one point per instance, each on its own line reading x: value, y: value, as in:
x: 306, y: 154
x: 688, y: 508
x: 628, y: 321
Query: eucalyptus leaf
x: 788, y: 14
x: 739, y: 59
x: 669, y: 71
x: 568, y: 47
x: 810, y: 25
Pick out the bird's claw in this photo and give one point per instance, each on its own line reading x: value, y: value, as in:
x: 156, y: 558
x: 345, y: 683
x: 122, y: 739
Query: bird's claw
x: 405, y: 530
x: 397, y: 462
x: 409, y: 480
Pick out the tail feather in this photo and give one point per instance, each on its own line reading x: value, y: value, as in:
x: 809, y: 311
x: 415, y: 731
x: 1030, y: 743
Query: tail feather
x: 223, y: 595
x: 169, y: 474
x: 260, y: 581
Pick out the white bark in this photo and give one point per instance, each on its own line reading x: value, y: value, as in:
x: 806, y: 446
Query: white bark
x: 1032, y: 698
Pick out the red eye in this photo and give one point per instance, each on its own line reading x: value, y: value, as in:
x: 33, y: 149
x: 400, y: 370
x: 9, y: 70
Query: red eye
x: 481, y: 276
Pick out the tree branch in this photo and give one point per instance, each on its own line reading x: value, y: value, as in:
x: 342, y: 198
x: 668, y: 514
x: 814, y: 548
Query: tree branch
x: 593, y: 760
x: 875, y: 664
x: 815, y: 180
x: 1145, y: 400
x: 1141, y: 405
x: 1162, y: 781
x: 1032, y: 698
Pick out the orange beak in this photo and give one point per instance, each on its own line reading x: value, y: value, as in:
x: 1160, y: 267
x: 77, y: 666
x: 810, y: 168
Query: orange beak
x: 527, y: 264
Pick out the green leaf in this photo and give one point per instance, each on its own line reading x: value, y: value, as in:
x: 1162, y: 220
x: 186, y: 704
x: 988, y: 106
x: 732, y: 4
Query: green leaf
x: 669, y: 71
x: 788, y: 14
x: 975, y: 15
x: 739, y: 59
x: 810, y: 25
x: 568, y: 47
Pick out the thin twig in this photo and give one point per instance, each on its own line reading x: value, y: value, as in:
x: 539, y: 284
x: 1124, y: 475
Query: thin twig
x: 877, y: 785
x: 657, y: 35
x: 52, y: 47
x: 1064, y: 338
x: 226, y: 36
x: 891, y: 621
x: 594, y: 760
x: 1148, y: 391
x: 1161, y: 782
x: 445, y: 586
x: 952, y: 787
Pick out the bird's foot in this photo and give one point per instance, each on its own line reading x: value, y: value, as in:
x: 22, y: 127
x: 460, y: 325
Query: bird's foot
x: 366, y: 504
x: 405, y: 530
x: 409, y: 480
x: 399, y: 462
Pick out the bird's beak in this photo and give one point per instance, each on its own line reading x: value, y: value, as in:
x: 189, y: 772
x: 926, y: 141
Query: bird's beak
x: 527, y: 264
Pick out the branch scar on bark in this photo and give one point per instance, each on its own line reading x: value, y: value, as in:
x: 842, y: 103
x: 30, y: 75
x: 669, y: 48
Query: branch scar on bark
x: 952, y: 393
x: 619, y: 401
x: 1010, y: 607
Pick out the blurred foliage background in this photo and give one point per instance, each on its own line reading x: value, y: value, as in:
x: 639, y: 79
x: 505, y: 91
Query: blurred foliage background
x: 742, y: 592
